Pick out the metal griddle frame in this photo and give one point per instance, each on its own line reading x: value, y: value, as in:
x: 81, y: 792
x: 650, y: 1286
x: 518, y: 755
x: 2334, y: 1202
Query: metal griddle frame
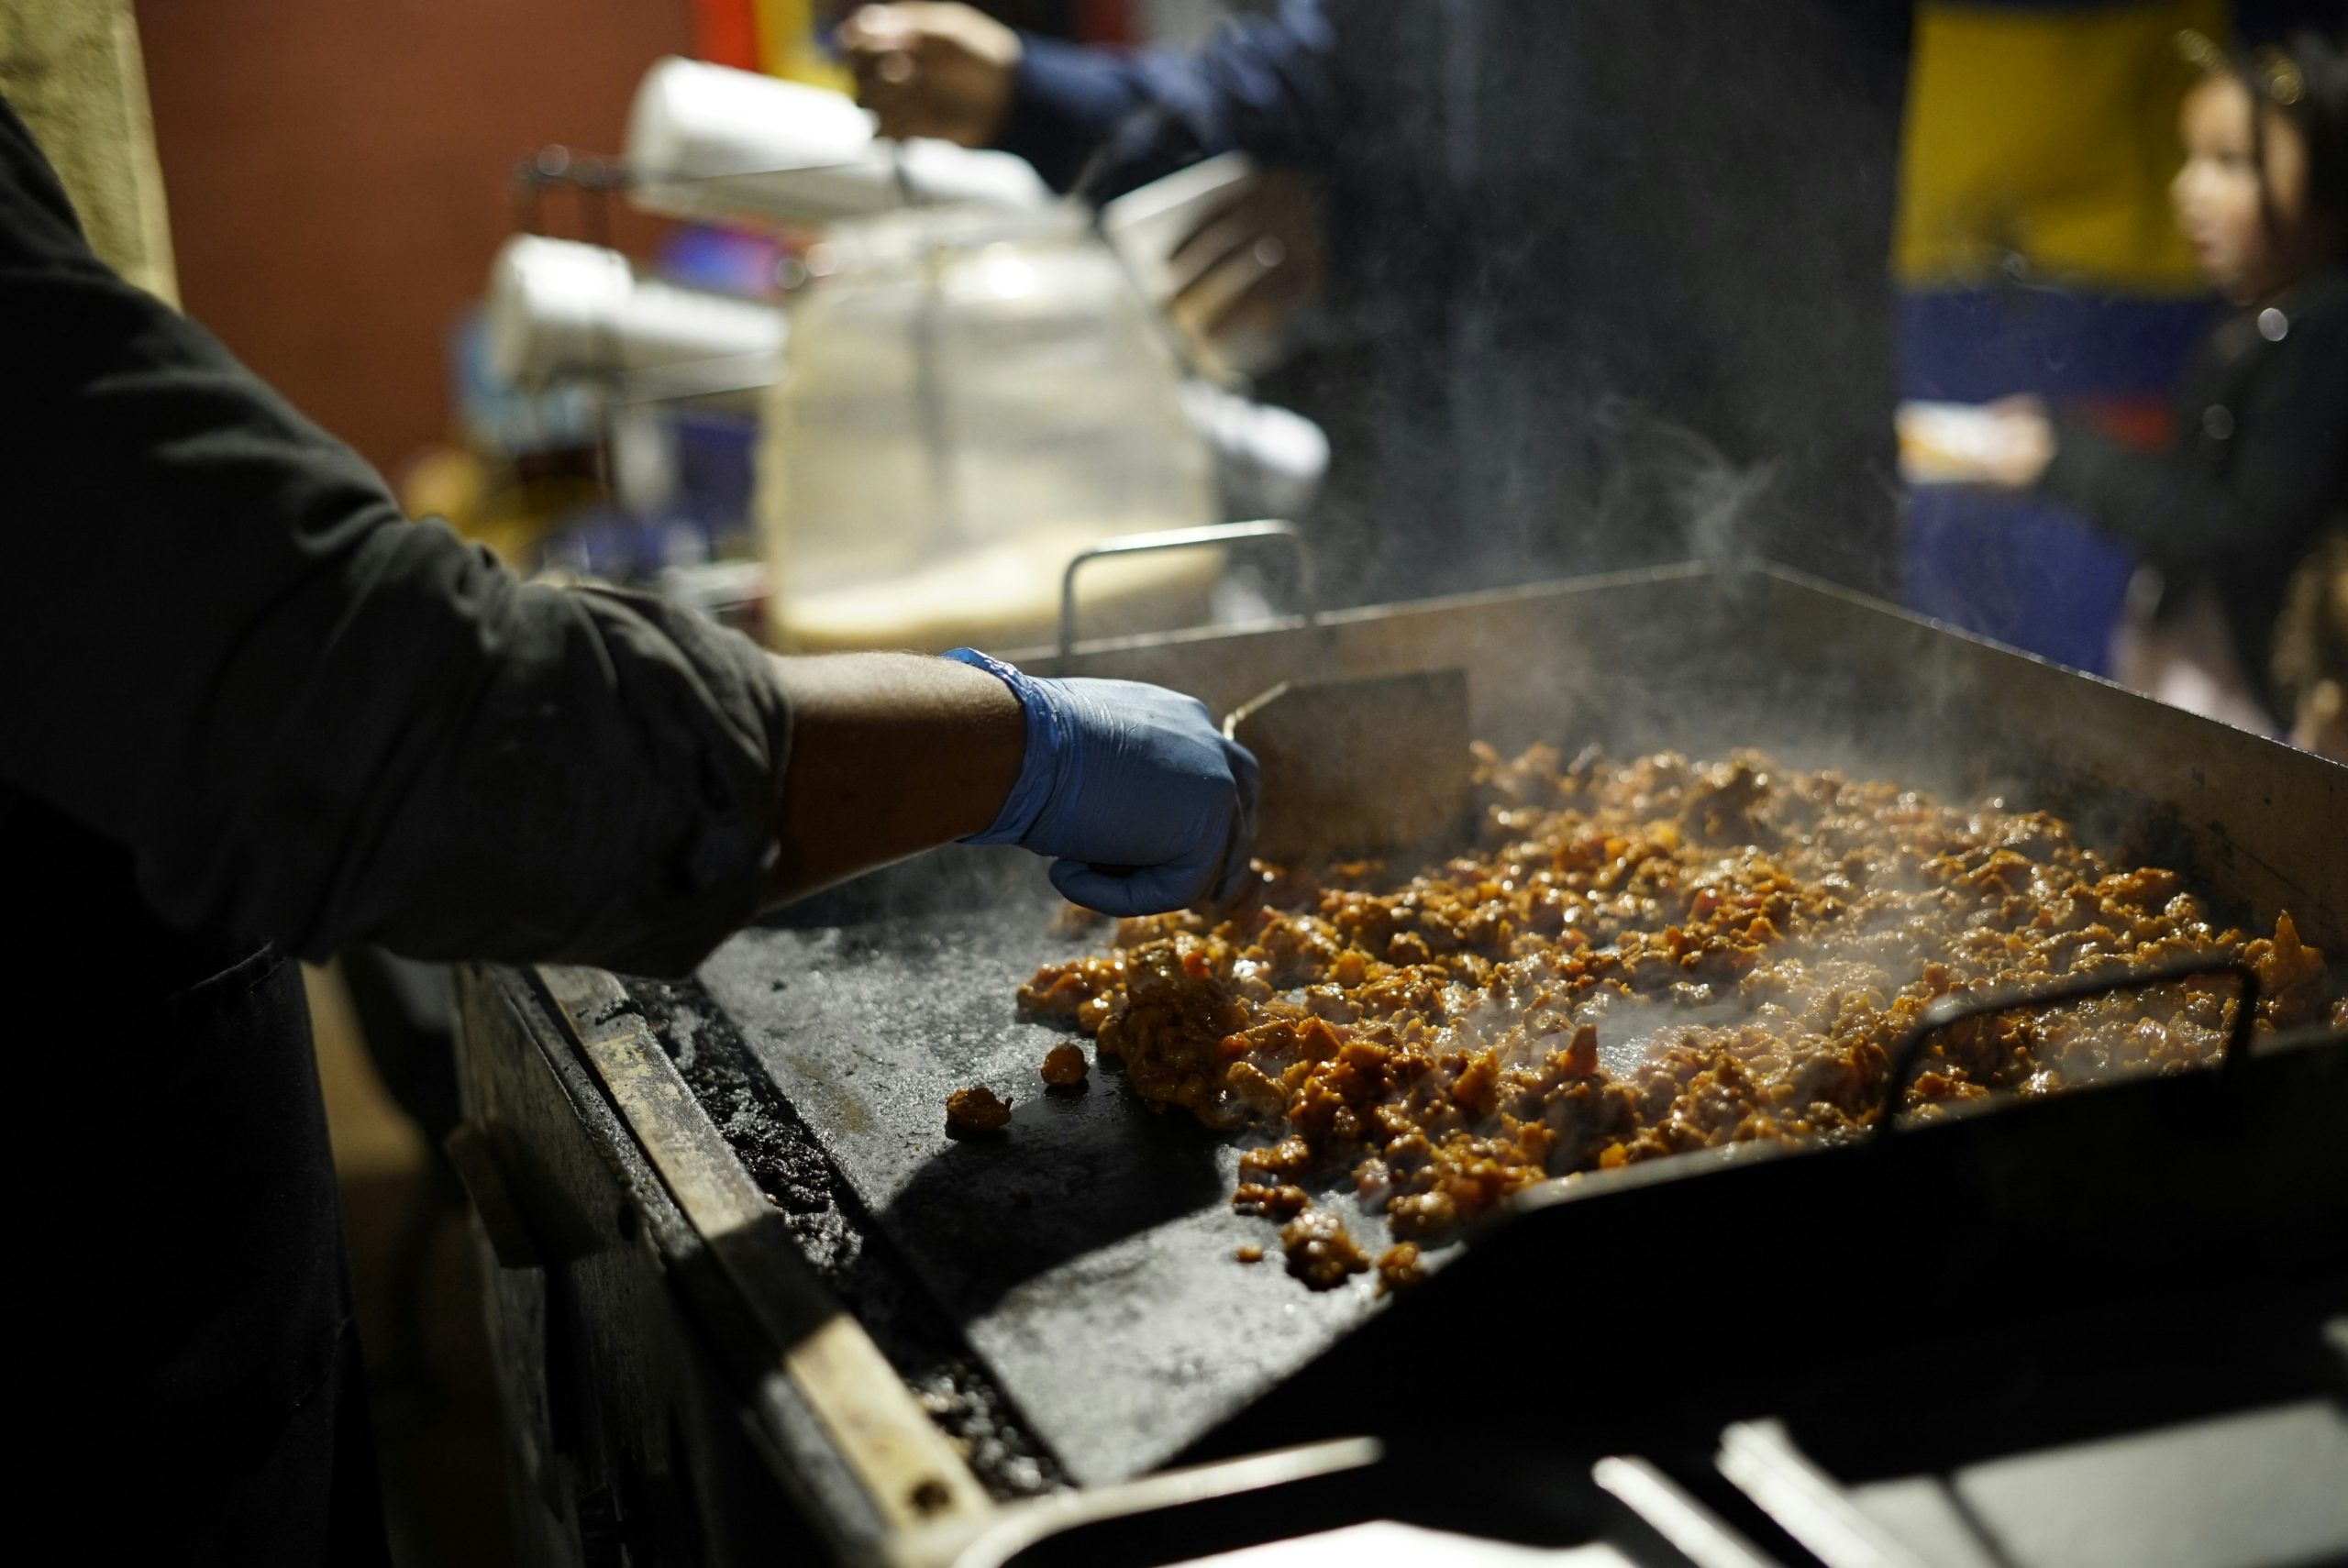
x: 867, y: 1477
x: 2236, y: 1175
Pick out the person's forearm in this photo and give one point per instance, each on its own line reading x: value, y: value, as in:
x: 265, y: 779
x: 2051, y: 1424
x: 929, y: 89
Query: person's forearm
x: 2156, y: 501
x: 2175, y: 508
x: 1066, y: 100
x: 1262, y: 85
x: 891, y: 753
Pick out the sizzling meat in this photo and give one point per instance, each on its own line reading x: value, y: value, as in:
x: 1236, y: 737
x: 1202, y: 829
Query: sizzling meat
x: 976, y: 1109
x: 1318, y: 1250
x: 1398, y: 1267
x: 1640, y: 960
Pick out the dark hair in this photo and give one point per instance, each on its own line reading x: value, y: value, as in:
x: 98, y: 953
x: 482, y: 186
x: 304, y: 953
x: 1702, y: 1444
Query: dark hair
x: 2321, y: 111
x: 2307, y: 83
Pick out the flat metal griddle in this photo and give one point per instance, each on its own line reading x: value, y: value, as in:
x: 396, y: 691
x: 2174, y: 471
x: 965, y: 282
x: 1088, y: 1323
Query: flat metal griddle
x: 1087, y: 1254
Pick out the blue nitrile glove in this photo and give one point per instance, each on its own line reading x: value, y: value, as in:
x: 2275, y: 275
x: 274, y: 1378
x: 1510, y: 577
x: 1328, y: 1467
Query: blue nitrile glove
x: 1140, y: 801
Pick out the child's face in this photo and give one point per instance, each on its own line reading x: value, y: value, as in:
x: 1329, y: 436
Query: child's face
x: 2216, y: 193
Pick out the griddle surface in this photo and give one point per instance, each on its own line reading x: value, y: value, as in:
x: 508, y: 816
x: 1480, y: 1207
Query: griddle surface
x: 1087, y: 1252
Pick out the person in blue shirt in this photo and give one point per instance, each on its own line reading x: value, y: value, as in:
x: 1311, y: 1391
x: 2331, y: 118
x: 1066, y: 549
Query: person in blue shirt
x: 1607, y: 280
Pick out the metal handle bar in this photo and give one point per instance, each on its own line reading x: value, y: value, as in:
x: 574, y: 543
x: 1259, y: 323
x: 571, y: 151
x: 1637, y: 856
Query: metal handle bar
x: 1907, y: 1056
x: 1188, y: 539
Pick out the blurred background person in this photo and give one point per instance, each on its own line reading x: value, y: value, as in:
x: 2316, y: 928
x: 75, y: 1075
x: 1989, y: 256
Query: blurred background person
x: 1605, y: 283
x: 2260, y: 462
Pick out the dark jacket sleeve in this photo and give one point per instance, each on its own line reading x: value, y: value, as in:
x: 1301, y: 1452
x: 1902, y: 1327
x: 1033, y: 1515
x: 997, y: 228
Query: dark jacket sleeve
x: 309, y: 719
x: 1262, y: 85
x: 2286, y: 471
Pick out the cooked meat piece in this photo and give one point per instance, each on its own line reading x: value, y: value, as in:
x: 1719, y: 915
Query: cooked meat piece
x: 1399, y: 1267
x: 976, y: 1110
x: 1250, y: 1254
x: 1060, y: 990
x: 1283, y: 1161
x: 1064, y: 1065
x: 1075, y: 919
x: 1169, y: 1030
x: 1275, y: 1202
x: 2290, y: 974
x: 1318, y: 1250
x: 1636, y: 960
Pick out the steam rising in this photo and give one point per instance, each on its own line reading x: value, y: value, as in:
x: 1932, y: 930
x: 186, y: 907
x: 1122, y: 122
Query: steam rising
x: 1662, y: 479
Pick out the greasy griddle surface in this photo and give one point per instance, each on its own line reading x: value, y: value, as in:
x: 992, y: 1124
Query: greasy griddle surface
x: 1087, y: 1252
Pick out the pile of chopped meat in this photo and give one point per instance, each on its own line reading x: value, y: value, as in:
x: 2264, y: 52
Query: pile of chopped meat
x: 1639, y: 960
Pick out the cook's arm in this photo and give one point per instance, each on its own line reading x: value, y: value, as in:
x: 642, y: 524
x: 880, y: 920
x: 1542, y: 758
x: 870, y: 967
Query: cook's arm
x: 311, y: 720
x: 1262, y: 85
x: 308, y: 719
x: 1138, y: 800
x: 910, y: 752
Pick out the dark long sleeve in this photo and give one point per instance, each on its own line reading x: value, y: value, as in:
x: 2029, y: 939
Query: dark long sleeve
x: 307, y: 719
x: 2259, y: 471
x: 1263, y: 84
x: 2259, y: 466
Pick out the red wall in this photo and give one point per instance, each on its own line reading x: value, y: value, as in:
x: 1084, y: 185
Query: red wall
x: 338, y: 175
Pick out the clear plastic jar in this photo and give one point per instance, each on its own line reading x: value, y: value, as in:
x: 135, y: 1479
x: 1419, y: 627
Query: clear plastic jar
x: 962, y: 381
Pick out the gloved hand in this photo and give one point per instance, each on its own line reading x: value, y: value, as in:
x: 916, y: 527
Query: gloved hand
x: 1142, y: 804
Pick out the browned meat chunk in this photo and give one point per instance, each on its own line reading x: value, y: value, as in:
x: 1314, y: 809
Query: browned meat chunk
x: 2290, y: 975
x: 1318, y: 1250
x: 976, y: 1110
x: 1399, y: 1267
x: 1273, y: 1202
x: 1284, y: 1161
x: 1060, y: 990
x: 1065, y: 1065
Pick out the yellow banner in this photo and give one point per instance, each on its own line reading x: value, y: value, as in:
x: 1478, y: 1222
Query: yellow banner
x: 2050, y: 134
x: 790, y: 43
